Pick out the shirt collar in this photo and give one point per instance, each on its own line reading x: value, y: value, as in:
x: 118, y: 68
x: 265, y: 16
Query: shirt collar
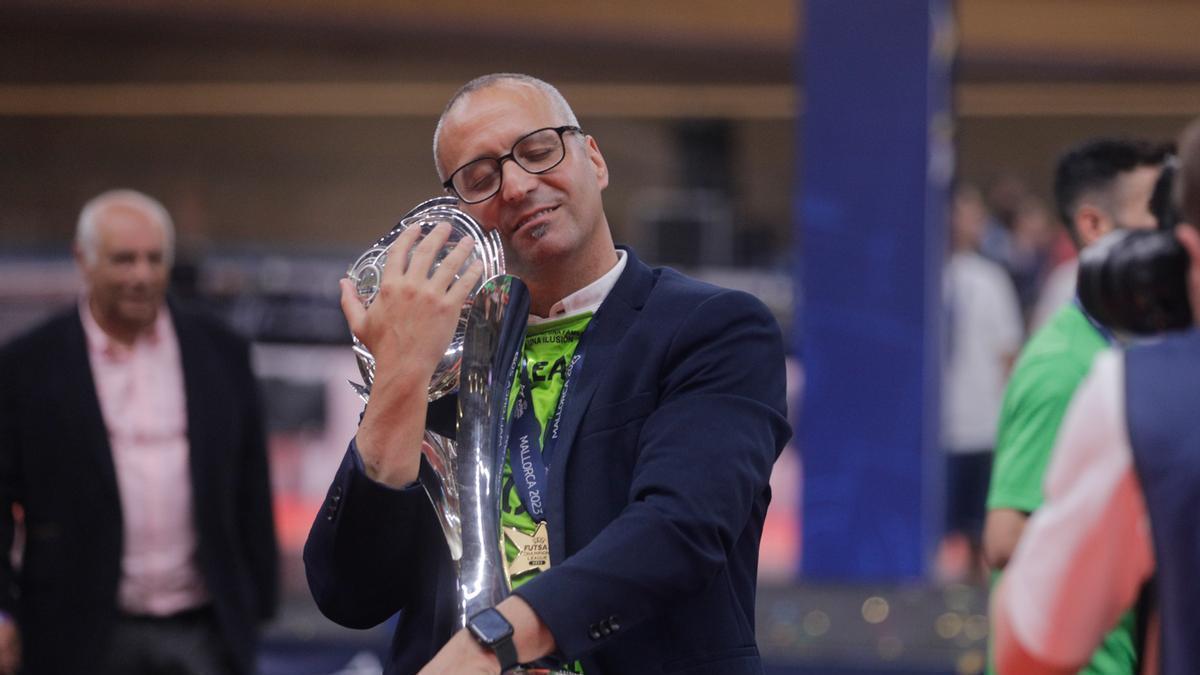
x: 586, y: 299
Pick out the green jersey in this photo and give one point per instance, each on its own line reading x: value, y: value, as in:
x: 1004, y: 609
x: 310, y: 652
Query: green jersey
x: 1045, y: 377
x: 1049, y: 370
x: 545, y: 357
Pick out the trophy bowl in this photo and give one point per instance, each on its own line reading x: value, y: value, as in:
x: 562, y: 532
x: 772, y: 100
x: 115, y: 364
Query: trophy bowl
x: 368, y: 270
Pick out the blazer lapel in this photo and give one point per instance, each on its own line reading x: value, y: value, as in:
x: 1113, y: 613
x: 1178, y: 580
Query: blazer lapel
x: 192, y: 358
x: 606, y: 329
x: 82, y: 398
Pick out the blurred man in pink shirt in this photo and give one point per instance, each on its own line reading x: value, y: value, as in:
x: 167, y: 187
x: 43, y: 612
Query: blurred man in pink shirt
x: 130, y: 435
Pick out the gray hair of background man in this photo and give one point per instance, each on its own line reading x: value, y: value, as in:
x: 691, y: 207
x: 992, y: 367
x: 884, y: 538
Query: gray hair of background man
x: 85, y: 230
x: 485, y: 81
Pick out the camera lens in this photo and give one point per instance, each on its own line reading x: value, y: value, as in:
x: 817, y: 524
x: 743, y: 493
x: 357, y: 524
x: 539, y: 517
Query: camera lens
x: 1136, y: 282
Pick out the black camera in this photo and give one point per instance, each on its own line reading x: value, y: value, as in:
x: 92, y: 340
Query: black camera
x: 1135, y: 281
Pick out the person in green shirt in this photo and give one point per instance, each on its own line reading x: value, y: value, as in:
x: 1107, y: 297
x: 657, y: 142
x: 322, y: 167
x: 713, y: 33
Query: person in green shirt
x: 1101, y: 185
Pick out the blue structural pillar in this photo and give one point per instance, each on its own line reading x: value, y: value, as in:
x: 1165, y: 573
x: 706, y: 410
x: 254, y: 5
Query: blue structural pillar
x: 876, y: 161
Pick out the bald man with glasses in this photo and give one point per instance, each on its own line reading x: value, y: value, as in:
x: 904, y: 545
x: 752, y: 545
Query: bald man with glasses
x: 652, y: 495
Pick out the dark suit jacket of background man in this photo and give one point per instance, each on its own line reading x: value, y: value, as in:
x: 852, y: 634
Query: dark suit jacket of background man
x: 666, y: 450
x: 55, y: 461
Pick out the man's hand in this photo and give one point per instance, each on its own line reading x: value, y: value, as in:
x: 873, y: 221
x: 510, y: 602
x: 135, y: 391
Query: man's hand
x: 463, y: 655
x: 10, y: 647
x: 1001, y: 531
x: 407, y: 328
x: 414, y: 313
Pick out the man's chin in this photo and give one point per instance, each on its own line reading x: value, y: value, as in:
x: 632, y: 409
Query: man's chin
x: 139, y: 315
x: 538, y: 247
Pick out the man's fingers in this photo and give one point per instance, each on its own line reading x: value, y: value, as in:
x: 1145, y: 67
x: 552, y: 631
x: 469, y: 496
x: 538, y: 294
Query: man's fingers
x: 352, y: 307
x: 466, y: 283
x: 423, y: 253
x: 453, y: 262
x: 398, y: 252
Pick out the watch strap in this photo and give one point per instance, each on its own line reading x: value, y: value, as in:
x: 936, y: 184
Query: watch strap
x: 502, y: 646
x: 506, y: 652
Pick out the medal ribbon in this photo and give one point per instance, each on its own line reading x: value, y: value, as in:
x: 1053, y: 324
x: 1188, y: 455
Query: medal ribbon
x: 529, y: 459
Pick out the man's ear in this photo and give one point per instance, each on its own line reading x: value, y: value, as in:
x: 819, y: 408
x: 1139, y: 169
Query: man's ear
x: 1091, y: 223
x: 80, y: 258
x: 1189, y: 238
x: 598, y: 163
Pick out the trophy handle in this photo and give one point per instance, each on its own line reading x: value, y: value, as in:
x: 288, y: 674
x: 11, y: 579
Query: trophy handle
x: 462, y: 477
x: 437, y: 477
x: 494, y: 333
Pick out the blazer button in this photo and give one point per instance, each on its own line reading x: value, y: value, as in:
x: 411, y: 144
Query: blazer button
x: 612, y: 622
x: 594, y: 632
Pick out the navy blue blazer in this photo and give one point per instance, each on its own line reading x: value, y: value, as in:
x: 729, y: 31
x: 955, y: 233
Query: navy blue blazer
x: 56, y: 462
x: 655, y: 507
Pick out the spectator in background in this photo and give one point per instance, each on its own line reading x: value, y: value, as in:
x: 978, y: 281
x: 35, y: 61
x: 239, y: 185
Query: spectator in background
x: 130, y: 439
x: 1004, y: 196
x: 1018, y: 236
x: 1121, y: 498
x: 984, y: 332
x: 1029, y: 259
x: 1107, y: 187
x: 1100, y: 185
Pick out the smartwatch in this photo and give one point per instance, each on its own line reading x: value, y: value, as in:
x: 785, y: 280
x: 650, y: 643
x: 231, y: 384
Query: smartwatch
x: 495, y: 633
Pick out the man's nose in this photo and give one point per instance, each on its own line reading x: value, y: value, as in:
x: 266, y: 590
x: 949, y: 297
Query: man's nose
x: 517, y: 181
x: 144, y: 269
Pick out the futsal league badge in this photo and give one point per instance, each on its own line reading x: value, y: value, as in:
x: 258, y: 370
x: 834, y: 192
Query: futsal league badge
x: 533, y: 550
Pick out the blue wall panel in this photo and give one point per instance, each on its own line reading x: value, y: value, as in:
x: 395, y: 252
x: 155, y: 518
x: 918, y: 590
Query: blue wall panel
x: 876, y: 163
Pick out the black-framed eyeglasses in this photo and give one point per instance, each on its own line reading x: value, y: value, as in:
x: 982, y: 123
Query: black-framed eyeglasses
x: 535, y: 152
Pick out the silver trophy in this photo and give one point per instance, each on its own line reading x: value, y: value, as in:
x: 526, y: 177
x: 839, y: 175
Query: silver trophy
x: 462, y: 476
x: 367, y: 273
